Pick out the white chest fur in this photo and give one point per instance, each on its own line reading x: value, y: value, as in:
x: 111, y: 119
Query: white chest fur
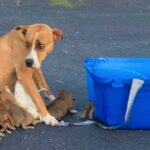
x: 24, y: 100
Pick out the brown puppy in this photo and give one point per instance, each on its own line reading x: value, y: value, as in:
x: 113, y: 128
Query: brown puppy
x: 6, y: 121
x: 19, y: 115
x: 22, y: 51
x: 88, y: 111
x: 62, y: 105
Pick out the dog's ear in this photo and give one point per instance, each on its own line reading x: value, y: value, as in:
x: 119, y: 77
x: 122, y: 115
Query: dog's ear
x: 57, y: 34
x: 22, y: 30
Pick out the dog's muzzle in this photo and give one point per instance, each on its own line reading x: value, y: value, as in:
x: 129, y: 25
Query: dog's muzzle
x: 29, y: 62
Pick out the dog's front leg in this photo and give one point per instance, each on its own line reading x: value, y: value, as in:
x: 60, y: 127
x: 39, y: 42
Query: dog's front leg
x: 25, y: 77
x: 41, y: 83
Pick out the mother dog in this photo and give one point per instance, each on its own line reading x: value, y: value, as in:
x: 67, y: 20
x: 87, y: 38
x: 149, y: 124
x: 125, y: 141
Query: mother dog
x: 22, y: 51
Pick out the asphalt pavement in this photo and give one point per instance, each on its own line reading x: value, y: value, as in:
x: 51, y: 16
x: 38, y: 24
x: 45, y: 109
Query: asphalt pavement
x: 99, y: 28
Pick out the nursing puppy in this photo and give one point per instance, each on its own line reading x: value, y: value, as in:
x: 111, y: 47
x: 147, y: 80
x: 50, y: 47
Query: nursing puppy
x: 6, y: 121
x: 20, y: 116
x: 22, y: 51
x: 62, y: 105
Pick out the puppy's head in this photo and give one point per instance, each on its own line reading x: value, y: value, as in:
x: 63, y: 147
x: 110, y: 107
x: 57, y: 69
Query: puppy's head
x: 88, y: 111
x: 67, y: 98
x: 65, y: 95
x: 39, y: 40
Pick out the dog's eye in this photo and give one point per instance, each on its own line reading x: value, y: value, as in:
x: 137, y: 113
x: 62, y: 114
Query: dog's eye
x: 27, y: 44
x: 40, y: 46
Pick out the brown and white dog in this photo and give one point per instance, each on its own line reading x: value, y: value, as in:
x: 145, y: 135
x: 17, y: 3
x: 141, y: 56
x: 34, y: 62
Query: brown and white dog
x: 22, y: 51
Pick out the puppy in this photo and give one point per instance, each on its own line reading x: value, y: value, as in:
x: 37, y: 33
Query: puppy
x: 6, y: 121
x: 62, y: 105
x: 19, y: 115
x: 88, y: 112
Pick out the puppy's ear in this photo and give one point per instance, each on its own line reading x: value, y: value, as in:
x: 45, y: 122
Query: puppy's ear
x: 57, y: 34
x: 22, y: 30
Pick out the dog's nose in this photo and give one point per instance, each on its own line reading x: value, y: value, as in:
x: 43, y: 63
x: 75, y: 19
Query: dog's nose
x: 29, y: 62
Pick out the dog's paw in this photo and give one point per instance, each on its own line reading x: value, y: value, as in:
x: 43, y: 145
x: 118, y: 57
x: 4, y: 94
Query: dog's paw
x: 50, y: 120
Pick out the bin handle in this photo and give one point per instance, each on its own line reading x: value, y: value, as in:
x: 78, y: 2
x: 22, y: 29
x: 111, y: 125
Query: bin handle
x: 102, y: 59
x: 104, y: 80
x: 99, y: 60
x: 130, y: 71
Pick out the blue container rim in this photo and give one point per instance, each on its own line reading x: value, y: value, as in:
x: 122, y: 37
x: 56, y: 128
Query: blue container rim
x: 98, y: 59
x: 109, y: 80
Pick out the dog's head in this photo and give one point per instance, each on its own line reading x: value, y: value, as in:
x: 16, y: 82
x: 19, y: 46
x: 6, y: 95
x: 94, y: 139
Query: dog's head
x: 39, y: 40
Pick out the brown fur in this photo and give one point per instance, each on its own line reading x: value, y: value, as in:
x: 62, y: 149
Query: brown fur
x: 19, y: 115
x: 6, y: 120
x: 88, y: 111
x: 62, y: 105
x: 13, y: 50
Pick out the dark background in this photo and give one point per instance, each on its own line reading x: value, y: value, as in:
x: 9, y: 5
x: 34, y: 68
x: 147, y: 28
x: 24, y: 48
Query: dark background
x: 108, y: 28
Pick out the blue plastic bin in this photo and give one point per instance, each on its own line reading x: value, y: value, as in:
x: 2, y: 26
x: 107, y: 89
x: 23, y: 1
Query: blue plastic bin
x: 109, y: 82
